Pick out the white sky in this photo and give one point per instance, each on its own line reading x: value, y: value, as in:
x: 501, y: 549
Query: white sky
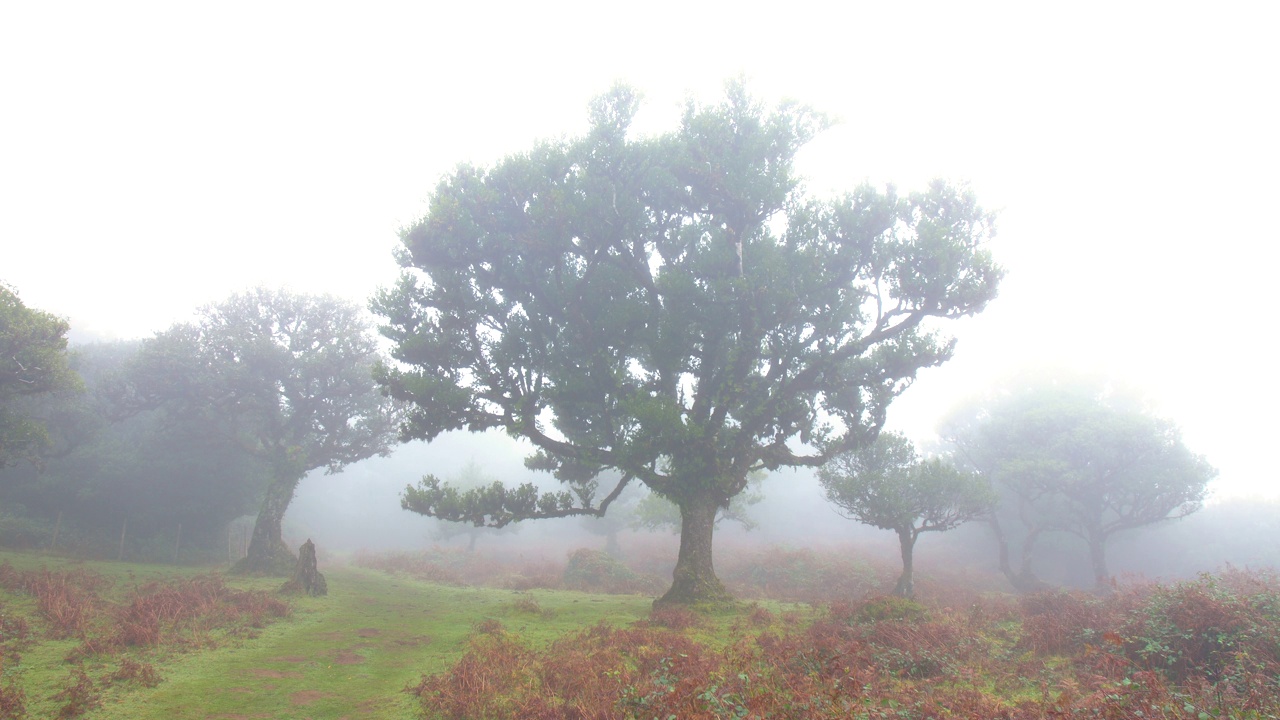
x: 158, y: 157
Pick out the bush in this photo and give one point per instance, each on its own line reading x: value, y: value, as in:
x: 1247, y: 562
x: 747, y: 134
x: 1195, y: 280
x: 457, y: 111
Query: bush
x: 595, y: 571
x: 23, y: 532
x: 889, y: 607
x: 799, y: 575
x: 1208, y: 627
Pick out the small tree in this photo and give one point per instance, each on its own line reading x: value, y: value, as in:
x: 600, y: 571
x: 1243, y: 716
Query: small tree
x: 886, y: 485
x: 33, y: 361
x: 1076, y: 456
x: 290, y: 378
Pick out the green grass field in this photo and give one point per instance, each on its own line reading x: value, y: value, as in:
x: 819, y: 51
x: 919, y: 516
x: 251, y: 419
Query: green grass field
x: 121, y: 641
x: 348, y: 654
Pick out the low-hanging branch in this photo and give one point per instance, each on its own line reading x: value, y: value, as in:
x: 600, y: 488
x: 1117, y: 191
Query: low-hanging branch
x: 497, y: 506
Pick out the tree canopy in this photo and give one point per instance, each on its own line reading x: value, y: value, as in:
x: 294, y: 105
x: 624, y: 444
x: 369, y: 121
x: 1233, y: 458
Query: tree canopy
x: 887, y: 485
x: 290, y: 377
x: 1079, y: 457
x: 157, y: 468
x: 33, y: 360
x: 675, y: 308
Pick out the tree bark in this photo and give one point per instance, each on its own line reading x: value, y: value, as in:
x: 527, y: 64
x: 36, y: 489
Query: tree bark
x: 1024, y: 580
x: 306, y: 578
x: 268, y: 555
x: 694, y: 580
x: 611, y: 545
x: 906, y: 543
x: 1098, y: 556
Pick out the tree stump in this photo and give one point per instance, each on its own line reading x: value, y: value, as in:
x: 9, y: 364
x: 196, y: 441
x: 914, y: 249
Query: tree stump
x: 306, y: 579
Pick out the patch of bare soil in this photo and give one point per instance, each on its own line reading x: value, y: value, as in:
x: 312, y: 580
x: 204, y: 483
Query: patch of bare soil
x: 306, y: 697
x: 412, y: 641
x: 368, y: 632
x: 347, y: 657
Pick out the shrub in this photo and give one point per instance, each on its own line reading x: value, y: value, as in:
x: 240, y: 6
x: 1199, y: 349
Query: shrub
x: 595, y: 571
x: 889, y: 607
x: 79, y: 696
x: 1059, y: 622
x: 1207, y: 627
x: 143, y: 673
x: 12, y: 702
x: 799, y: 575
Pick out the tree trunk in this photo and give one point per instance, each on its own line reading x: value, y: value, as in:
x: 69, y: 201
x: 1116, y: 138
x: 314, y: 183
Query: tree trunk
x: 695, y: 578
x: 1098, y: 556
x: 268, y: 555
x: 611, y: 545
x: 906, y: 542
x: 1024, y: 580
x: 306, y: 578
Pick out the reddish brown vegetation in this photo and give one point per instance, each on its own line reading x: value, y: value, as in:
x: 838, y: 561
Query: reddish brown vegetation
x: 13, y: 703
x: 193, y: 605
x: 180, y: 612
x: 1207, y: 646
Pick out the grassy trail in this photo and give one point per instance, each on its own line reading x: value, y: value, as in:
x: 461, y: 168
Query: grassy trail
x: 346, y: 655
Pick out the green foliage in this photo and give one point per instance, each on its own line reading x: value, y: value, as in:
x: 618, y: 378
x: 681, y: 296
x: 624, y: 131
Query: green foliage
x: 470, y: 478
x: 156, y: 468
x: 885, y: 484
x: 290, y: 375
x: 673, y: 308
x: 595, y: 571
x: 1209, y: 626
x: 654, y: 512
x: 33, y: 361
x: 1075, y: 456
x: 890, y: 607
x: 287, y: 378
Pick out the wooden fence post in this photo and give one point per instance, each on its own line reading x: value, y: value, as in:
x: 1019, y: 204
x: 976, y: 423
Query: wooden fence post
x: 123, y: 528
x: 57, y: 525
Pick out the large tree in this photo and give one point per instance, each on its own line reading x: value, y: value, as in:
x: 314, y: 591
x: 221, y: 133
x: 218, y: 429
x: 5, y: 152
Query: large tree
x: 290, y: 377
x: 33, y: 361
x: 887, y: 485
x: 1076, y: 456
x: 674, y: 308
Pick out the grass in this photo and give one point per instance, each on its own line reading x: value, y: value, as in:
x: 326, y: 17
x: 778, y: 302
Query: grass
x: 76, y: 640
x: 348, y: 654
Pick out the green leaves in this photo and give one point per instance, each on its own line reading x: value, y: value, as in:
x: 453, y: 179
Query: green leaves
x: 290, y: 375
x: 675, y: 307
x: 490, y: 506
x: 33, y: 360
x: 885, y: 484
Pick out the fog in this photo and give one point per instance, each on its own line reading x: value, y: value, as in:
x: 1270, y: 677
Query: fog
x: 357, y: 511
x: 157, y: 158
x: 154, y: 162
